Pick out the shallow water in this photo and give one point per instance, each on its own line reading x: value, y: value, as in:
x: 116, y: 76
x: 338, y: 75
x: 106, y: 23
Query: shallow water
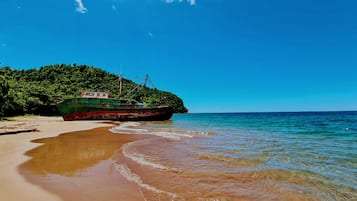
x: 253, y: 156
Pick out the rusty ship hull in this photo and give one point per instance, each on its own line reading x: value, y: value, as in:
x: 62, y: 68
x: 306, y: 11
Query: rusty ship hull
x: 110, y: 109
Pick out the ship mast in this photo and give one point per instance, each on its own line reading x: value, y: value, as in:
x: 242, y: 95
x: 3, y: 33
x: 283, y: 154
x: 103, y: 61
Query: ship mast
x: 147, y: 79
x: 120, y: 85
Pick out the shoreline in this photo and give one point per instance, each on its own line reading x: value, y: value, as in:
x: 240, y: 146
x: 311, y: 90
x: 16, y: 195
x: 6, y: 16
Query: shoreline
x: 158, y: 161
x: 81, y: 165
x: 12, y: 154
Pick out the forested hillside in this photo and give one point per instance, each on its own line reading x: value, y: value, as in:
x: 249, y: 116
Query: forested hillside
x: 37, y: 91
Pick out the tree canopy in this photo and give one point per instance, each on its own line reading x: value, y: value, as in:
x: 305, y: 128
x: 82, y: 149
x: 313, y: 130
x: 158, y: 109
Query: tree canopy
x: 37, y: 91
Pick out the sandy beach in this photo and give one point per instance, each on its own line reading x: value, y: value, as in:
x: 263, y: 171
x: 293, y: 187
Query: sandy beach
x: 137, y: 161
x: 12, y: 148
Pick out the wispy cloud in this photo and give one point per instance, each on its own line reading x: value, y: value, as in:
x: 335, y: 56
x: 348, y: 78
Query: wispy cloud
x: 191, y: 2
x: 114, y: 8
x: 80, y: 7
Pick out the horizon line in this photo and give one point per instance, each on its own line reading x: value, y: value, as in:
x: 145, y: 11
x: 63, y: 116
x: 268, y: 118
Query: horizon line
x: 313, y: 111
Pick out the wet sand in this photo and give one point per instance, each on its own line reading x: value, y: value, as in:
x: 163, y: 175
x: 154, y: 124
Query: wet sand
x: 12, y: 148
x: 79, y: 166
x: 134, y: 162
x: 99, y: 165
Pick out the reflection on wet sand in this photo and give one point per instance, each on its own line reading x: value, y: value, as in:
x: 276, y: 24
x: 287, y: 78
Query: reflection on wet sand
x: 70, y: 153
x: 78, y: 166
x: 99, y: 165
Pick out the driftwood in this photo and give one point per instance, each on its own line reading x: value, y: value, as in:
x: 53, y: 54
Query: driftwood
x: 13, y: 127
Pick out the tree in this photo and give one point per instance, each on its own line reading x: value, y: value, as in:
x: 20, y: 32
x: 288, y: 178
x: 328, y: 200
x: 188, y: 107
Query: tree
x: 37, y: 91
x: 4, y: 92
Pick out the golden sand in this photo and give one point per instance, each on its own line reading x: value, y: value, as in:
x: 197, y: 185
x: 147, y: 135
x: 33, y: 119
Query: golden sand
x: 95, y: 164
x: 12, y: 148
x: 78, y: 166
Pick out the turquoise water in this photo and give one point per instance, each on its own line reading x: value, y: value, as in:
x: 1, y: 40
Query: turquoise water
x: 256, y: 156
x: 322, y: 142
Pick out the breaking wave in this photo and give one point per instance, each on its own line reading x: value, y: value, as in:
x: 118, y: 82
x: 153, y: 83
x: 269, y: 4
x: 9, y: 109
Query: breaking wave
x: 130, y: 176
x: 142, y: 158
x: 173, y: 134
x: 128, y: 128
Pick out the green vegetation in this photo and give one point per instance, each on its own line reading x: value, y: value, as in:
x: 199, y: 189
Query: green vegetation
x: 37, y: 91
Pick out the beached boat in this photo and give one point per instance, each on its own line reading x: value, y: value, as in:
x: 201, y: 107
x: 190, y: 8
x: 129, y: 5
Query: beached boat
x: 101, y: 106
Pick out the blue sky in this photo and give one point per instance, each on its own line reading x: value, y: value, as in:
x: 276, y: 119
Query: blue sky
x: 218, y: 55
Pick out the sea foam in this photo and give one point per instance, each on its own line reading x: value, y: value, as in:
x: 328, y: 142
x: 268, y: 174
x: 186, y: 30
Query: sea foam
x: 130, y: 176
x: 141, y: 158
x: 173, y: 134
x: 129, y: 128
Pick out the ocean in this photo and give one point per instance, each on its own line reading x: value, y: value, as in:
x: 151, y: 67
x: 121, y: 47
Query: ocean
x: 243, y: 156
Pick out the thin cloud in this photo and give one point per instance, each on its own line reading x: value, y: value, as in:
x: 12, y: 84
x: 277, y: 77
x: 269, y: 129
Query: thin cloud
x: 80, y: 7
x: 191, y: 2
x: 114, y: 8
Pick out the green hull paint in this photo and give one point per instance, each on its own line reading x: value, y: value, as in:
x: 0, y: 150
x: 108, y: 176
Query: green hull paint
x: 74, y: 105
x: 110, y: 109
